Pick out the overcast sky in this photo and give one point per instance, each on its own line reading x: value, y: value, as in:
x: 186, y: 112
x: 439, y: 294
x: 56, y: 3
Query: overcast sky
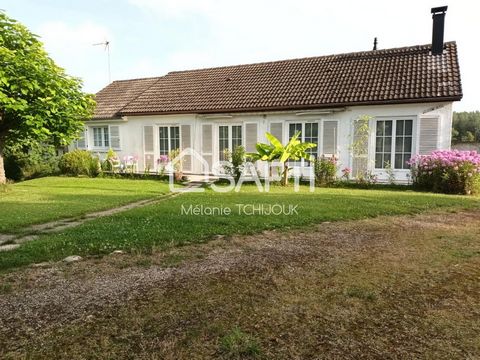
x: 153, y: 37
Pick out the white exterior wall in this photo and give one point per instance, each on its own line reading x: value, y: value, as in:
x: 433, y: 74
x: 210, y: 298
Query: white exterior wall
x: 131, y: 129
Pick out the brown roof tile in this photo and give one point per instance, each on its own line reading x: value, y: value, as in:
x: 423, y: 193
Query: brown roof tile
x: 401, y: 75
x: 118, y: 94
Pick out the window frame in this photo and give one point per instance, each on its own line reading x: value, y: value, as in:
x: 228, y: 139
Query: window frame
x: 315, y: 151
x: 169, y: 139
x: 104, y: 144
x: 229, y: 137
x: 392, y: 151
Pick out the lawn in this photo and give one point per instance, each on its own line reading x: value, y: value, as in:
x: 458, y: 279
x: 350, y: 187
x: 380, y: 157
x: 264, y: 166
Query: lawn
x: 385, y: 288
x: 51, y: 198
x: 163, y: 225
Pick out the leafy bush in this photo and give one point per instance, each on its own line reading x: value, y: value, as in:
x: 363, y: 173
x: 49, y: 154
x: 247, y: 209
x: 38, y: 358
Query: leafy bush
x: 79, y: 162
x: 111, y: 161
x: 237, y: 161
x: 447, y: 171
x: 325, y: 169
x: 27, y: 163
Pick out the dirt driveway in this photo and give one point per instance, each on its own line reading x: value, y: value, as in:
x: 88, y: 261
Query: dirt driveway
x: 390, y: 287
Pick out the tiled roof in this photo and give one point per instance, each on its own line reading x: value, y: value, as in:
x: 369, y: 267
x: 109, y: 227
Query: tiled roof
x: 401, y: 75
x: 118, y: 94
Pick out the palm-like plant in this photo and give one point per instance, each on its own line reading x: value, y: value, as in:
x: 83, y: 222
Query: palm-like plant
x: 275, y: 151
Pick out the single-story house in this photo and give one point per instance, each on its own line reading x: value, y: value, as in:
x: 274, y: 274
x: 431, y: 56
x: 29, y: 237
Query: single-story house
x: 407, y: 93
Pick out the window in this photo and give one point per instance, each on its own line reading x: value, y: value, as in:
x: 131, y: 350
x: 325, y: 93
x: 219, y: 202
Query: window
x: 383, y: 144
x: 169, y: 139
x: 308, y: 133
x: 229, y: 137
x: 403, y: 143
x: 386, y: 144
x: 101, y: 137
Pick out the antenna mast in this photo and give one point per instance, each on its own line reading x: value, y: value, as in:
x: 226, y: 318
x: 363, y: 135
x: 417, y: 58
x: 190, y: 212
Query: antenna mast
x: 106, y: 43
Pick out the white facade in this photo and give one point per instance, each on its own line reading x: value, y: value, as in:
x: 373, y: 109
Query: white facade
x: 139, y: 136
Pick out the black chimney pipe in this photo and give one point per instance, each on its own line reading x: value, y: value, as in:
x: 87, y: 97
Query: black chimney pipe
x: 438, y: 15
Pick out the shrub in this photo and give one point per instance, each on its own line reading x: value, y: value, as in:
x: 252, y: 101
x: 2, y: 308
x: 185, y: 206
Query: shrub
x: 79, y: 162
x: 111, y: 161
x: 28, y: 163
x: 447, y: 171
x: 325, y: 169
x: 237, y: 161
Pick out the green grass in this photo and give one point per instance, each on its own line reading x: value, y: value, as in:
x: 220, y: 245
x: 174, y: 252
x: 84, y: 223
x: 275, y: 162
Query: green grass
x: 239, y: 345
x: 52, y: 198
x: 163, y: 225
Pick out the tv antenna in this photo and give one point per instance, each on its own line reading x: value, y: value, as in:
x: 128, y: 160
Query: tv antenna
x: 106, y: 45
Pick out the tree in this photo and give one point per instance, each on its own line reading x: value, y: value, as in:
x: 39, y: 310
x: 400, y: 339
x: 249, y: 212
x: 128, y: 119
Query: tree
x: 469, y: 137
x: 38, y: 101
x: 295, y: 150
x: 465, y: 123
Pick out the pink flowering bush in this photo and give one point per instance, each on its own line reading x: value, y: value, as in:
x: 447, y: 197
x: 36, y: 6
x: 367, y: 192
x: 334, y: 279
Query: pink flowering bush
x: 447, y: 171
x: 346, y: 172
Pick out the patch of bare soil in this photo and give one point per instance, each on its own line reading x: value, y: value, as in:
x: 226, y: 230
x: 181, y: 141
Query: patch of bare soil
x: 390, y: 287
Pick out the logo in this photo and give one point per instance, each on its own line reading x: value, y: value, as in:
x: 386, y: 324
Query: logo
x: 249, y: 174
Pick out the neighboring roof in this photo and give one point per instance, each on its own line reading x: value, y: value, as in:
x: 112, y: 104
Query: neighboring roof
x: 111, y: 99
x: 401, y: 75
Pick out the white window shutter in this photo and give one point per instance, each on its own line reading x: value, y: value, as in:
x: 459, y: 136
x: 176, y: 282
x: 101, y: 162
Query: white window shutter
x: 276, y: 129
x: 428, y: 137
x: 330, y: 137
x: 82, y: 140
x: 148, y: 147
x: 207, y: 143
x: 186, y: 142
x: 114, y: 131
x: 251, y: 138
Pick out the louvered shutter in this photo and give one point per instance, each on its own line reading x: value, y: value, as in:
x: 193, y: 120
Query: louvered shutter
x: 250, y: 137
x: 329, y: 137
x: 81, y: 143
x: 429, y: 132
x: 360, y: 155
x: 114, y: 131
x: 207, y: 144
x: 276, y: 129
x: 148, y: 147
x: 186, y: 139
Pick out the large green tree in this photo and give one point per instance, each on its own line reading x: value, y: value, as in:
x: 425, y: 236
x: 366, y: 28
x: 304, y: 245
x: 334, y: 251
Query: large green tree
x: 466, y: 126
x: 39, y: 102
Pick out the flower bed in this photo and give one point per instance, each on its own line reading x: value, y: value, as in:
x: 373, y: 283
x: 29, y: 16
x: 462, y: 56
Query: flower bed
x: 447, y: 171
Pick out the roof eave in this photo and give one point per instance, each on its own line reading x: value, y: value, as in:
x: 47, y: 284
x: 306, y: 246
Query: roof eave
x: 297, y: 107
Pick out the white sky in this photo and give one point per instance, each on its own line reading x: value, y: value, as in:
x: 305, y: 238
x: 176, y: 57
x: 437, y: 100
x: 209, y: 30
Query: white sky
x: 152, y: 37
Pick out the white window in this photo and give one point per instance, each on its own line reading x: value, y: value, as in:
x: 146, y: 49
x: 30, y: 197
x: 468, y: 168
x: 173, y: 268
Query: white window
x: 169, y: 139
x: 101, y: 138
x: 308, y: 133
x: 393, y: 143
x: 229, y: 137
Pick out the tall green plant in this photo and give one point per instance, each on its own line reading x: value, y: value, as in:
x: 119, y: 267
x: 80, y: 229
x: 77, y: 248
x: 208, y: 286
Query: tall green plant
x: 39, y: 102
x: 237, y: 161
x: 359, y: 146
x: 294, y: 150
